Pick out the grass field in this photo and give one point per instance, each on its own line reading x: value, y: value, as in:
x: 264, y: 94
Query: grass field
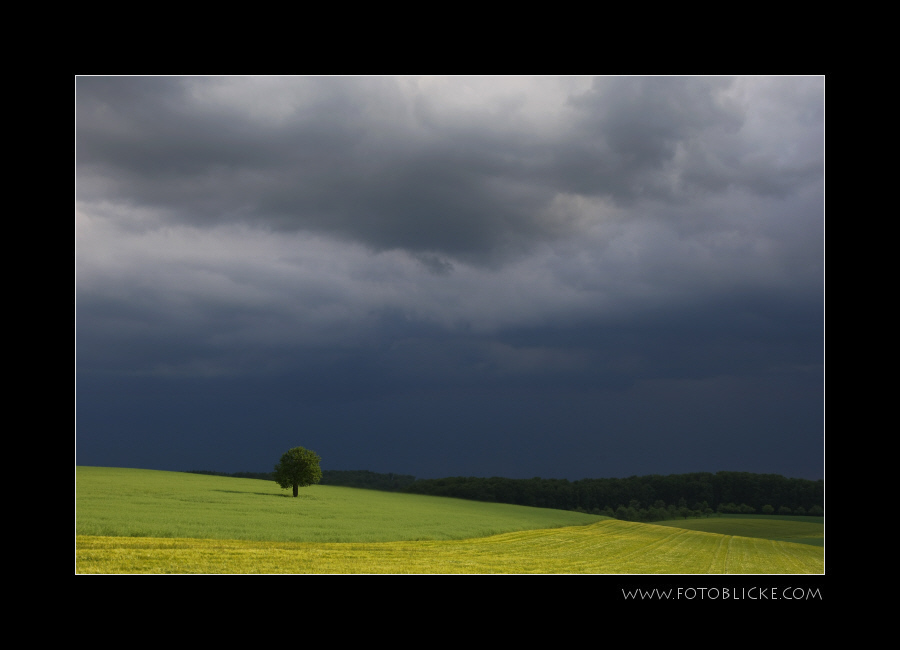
x: 140, y: 521
x: 146, y: 503
x: 799, y: 530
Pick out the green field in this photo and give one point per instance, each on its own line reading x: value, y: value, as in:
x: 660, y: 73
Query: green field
x: 799, y: 530
x: 146, y: 503
x: 143, y: 521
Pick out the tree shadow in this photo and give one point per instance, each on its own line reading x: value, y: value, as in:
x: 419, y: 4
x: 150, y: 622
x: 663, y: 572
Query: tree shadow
x: 268, y: 494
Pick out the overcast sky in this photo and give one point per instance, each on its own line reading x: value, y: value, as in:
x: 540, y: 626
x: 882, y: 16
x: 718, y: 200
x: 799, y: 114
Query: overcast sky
x: 565, y: 277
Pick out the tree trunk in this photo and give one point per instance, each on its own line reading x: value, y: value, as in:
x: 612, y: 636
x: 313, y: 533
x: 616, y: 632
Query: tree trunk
x: 295, y: 489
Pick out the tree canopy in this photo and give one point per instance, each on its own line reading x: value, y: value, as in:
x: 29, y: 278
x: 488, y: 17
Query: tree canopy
x: 298, y: 468
x: 652, y: 497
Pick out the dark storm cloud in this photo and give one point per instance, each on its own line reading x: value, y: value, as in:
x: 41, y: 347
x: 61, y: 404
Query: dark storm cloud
x: 630, y: 130
x: 362, y: 158
x: 327, y: 166
x: 439, y: 276
x: 670, y: 138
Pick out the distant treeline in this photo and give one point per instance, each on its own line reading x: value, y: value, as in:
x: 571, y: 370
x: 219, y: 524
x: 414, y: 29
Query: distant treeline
x: 265, y: 476
x: 644, y: 498
x: 637, y: 498
x: 347, y: 478
x: 366, y: 479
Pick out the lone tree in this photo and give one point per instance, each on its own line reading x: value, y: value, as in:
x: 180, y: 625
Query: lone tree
x: 298, y: 468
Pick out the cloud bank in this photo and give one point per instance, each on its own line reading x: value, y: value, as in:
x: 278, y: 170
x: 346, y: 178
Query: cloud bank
x: 563, y: 257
